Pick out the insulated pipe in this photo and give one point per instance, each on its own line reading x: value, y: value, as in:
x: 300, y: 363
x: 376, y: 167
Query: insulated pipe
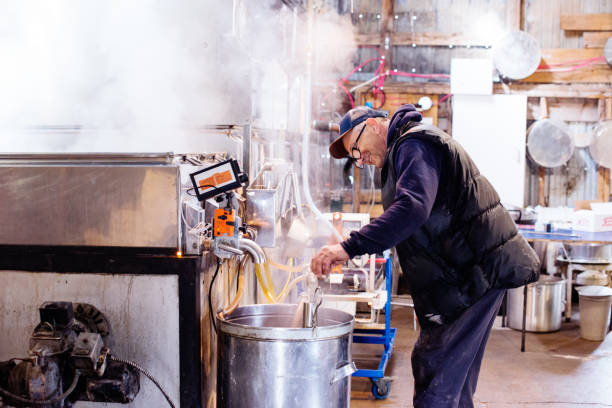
x: 325, y: 126
x: 253, y: 249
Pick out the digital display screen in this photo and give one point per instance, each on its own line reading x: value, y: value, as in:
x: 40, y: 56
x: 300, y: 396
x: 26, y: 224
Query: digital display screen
x: 216, y: 179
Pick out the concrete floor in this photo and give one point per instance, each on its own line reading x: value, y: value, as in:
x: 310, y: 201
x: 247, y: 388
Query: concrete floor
x: 556, y: 370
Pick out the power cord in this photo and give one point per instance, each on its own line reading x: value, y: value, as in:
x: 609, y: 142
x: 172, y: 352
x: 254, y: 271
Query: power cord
x: 212, y: 281
x: 149, y: 376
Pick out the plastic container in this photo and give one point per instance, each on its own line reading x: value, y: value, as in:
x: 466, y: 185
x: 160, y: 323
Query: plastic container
x: 595, y: 304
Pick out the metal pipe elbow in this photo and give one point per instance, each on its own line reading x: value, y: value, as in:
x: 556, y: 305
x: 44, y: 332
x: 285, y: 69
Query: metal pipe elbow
x: 253, y: 249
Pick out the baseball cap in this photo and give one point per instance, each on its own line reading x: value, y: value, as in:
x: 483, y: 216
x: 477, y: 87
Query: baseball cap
x: 351, y: 119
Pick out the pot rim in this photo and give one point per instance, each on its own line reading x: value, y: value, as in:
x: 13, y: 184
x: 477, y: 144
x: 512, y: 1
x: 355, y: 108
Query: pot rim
x: 343, y: 327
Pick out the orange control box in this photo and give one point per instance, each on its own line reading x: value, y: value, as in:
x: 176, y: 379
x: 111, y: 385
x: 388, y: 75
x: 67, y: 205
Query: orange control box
x: 224, y: 222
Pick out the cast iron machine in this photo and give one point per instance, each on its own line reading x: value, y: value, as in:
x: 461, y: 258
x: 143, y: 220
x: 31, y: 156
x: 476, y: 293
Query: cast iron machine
x: 69, y: 360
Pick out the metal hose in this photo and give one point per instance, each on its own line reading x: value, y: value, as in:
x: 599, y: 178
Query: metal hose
x: 59, y: 398
x: 145, y: 372
x: 253, y: 249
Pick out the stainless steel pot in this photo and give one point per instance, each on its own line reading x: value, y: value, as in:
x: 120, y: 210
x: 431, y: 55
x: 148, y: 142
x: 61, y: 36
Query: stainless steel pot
x: 545, y: 301
x: 263, y: 361
x: 588, y: 253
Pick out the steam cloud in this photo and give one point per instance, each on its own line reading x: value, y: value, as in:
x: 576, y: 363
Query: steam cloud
x: 143, y: 75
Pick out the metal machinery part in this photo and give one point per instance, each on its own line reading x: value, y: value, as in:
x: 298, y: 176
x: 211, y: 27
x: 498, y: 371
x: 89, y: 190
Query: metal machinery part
x: 600, y: 145
x: 516, y: 55
x: 262, y: 355
x: 549, y: 142
x: 95, y: 200
x: 115, y: 218
x: 588, y: 253
x: 67, y: 349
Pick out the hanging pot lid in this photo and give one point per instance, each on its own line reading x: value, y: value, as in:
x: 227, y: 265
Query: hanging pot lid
x: 549, y: 143
x: 516, y: 55
x: 608, y: 51
x: 600, y: 146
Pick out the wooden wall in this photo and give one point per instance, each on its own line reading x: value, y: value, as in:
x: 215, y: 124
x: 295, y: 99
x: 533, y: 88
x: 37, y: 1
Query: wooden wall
x: 423, y: 36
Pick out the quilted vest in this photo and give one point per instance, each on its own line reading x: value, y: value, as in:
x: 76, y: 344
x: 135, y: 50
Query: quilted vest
x: 468, y: 244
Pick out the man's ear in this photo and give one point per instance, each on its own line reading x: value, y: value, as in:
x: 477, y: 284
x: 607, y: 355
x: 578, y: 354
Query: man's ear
x: 373, y: 123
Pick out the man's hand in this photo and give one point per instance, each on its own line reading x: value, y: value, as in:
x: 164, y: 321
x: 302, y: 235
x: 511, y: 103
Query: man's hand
x: 327, y: 256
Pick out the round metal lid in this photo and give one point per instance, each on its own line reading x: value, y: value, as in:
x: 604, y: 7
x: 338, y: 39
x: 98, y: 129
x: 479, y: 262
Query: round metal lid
x: 516, y: 55
x: 594, y: 291
x: 600, y: 146
x: 549, y: 143
x: 548, y: 280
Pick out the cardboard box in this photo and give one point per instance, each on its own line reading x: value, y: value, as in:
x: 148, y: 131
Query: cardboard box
x: 598, y: 219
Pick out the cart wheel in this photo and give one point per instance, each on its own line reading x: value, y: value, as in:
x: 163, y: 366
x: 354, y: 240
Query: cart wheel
x: 381, y: 388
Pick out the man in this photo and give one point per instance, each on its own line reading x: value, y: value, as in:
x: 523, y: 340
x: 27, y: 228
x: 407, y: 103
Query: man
x: 458, y: 248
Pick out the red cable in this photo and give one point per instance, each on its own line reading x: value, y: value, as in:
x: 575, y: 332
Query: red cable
x: 575, y: 67
x: 445, y: 97
x: 371, y: 46
x: 411, y: 75
x: 348, y: 94
x: 362, y: 65
x: 595, y: 59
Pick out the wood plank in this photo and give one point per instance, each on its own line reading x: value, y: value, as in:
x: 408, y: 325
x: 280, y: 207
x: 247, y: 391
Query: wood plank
x: 596, y: 39
x: 603, y: 173
x: 396, y: 99
x: 603, y: 184
x: 541, y: 187
x: 568, y: 109
x: 387, y: 30
x: 597, y: 72
x: 513, y: 15
x: 559, y: 55
x: 586, y: 22
x: 591, y: 74
x: 577, y: 90
x: 424, y: 39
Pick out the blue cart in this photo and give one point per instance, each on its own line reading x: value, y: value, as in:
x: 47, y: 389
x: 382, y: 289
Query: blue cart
x: 385, y: 337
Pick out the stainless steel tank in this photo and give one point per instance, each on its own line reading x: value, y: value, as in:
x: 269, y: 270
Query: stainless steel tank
x: 545, y: 301
x: 263, y: 361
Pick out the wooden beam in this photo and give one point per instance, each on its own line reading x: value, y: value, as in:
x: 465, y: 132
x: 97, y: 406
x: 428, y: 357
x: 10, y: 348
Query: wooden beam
x: 596, y: 39
x: 596, y: 72
x: 567, y: 109
x: 513, y: 15
x: 603, y: 173
x: 386, y: 31
x: 586, y: 22
x: 560, y: 55
x: 424, y: 39
x: 541, y: 184
x: 577, y: 90
x: 603, y: 184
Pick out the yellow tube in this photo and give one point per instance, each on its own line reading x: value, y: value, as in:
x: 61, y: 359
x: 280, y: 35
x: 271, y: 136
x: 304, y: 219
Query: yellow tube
x: 232, y: 306
x: 264, y: 288
x: 286, y: 268
x: 270, y: 281
x: 291, y: 286
x: 239, y: 292
x: 281, y: 295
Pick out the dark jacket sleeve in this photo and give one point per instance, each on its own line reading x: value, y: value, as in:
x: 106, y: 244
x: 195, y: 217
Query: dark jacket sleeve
x: 418, y: 167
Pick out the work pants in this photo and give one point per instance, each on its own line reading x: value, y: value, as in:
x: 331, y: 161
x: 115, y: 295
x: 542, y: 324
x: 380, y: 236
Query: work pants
x: 446, y: 359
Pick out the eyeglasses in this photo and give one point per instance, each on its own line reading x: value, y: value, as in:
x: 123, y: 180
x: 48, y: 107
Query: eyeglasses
x: 355, y: 152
